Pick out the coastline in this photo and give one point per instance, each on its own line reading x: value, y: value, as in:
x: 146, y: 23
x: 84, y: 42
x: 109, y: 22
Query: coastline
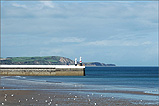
x: 64, y: 94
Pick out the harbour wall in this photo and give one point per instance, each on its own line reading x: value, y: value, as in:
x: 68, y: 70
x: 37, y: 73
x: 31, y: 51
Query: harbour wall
x: 42, y: 70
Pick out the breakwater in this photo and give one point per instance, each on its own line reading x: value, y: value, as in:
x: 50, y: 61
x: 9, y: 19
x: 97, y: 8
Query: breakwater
x: 42, y: 70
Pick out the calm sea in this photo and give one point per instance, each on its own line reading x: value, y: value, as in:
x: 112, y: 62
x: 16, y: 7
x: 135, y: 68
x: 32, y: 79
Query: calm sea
x: 117, y: 76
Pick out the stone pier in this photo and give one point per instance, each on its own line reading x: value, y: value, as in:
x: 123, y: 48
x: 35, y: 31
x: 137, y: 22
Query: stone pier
x: 42, y: 70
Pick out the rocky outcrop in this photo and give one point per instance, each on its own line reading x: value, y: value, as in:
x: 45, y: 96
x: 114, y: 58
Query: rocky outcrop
x: 66, y: 61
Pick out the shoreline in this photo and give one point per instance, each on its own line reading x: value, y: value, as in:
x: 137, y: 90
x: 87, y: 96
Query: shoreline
x: 65, y: 94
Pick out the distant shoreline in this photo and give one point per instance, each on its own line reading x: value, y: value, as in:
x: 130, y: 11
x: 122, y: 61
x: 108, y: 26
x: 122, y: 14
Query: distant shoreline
x: 46, y: 60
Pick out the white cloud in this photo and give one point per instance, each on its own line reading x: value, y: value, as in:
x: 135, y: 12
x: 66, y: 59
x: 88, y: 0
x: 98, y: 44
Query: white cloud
x: 64, y: 40
x: 147, y: 43
x: 19, y: 5
x: 73, y: 39
x: 35, y: 6
x: 118, y: 43
x: 48, y: 4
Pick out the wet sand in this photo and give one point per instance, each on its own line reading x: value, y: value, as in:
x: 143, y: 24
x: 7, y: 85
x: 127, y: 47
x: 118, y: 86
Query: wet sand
x: 30, y: 93
x: 16, y: 97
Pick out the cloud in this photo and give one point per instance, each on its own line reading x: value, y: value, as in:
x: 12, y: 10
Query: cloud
x: 147, y: 43
x: 86, y: 18
x: 38, y: 6
x: 67, y: 28
x: 73, y: 39
x: 19, y: 5
x: 53, y: 51
x: 117, y: 43
x: 47, y: 4
x: 64, y: 40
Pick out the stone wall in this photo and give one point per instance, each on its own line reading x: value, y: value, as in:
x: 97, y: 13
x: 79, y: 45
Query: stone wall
x: 42, y: 71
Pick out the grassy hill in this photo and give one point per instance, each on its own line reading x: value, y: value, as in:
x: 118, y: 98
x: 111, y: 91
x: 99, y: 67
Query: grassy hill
x: 45, y: 60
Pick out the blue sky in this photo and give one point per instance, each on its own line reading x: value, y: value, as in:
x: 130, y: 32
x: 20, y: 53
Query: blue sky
x: 124, y: 33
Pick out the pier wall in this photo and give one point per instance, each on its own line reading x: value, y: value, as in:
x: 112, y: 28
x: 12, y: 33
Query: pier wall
x: 39, y: 70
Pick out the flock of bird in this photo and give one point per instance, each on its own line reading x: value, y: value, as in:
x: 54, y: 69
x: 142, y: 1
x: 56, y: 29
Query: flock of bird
x: 49, y: 101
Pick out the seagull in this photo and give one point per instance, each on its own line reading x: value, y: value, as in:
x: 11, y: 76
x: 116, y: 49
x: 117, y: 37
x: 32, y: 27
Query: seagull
x: 49, y: 103
x: 75, y: 96
x: 89, y: 100
x: 2, y: 103
x: 112, y: 97
x: 56, y: 104
x: 45, y: 100
x: 95, y: 103
x: 51, y: 100
x: 36, y: 100
x: 5, y: 99
x: 26, y: 99
x: 101, y: 95
x: 88, y: 95
x: 49, y: 97
x: 32, y: 98
x: 19, y: 100
x: 12, y: 95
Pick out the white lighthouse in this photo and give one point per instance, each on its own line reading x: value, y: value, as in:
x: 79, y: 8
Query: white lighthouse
x: 75, y: 61
x: 80, y: 61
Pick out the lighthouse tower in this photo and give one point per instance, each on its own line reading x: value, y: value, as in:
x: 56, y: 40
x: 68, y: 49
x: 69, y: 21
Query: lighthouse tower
x: 75, y: 61
x: 80, y: 61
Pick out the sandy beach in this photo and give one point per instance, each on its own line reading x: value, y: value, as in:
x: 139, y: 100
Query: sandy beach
x: 43, y: 98
x: 58, y: 94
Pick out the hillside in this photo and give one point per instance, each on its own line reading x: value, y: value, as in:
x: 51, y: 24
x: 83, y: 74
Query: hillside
x: 98, y: 64
x: 45, y: 60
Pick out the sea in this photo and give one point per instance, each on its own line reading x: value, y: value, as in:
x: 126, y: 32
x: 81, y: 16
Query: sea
x: 143, y: 79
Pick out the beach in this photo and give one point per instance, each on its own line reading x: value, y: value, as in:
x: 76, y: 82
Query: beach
x: 58, y: 94
x: 61, y: 98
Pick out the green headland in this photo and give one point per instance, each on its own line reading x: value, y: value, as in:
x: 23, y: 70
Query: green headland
x: 45, y: 60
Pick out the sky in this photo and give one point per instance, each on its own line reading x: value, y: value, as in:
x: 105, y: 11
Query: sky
x: 122, y: 33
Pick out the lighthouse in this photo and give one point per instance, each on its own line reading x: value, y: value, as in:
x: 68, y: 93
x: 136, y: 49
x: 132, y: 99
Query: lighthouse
x: 80, y: 61
x: 75, y: 61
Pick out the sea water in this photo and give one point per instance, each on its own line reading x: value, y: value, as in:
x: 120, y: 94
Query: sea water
x: 145, y: 79
x: 119, y: 76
